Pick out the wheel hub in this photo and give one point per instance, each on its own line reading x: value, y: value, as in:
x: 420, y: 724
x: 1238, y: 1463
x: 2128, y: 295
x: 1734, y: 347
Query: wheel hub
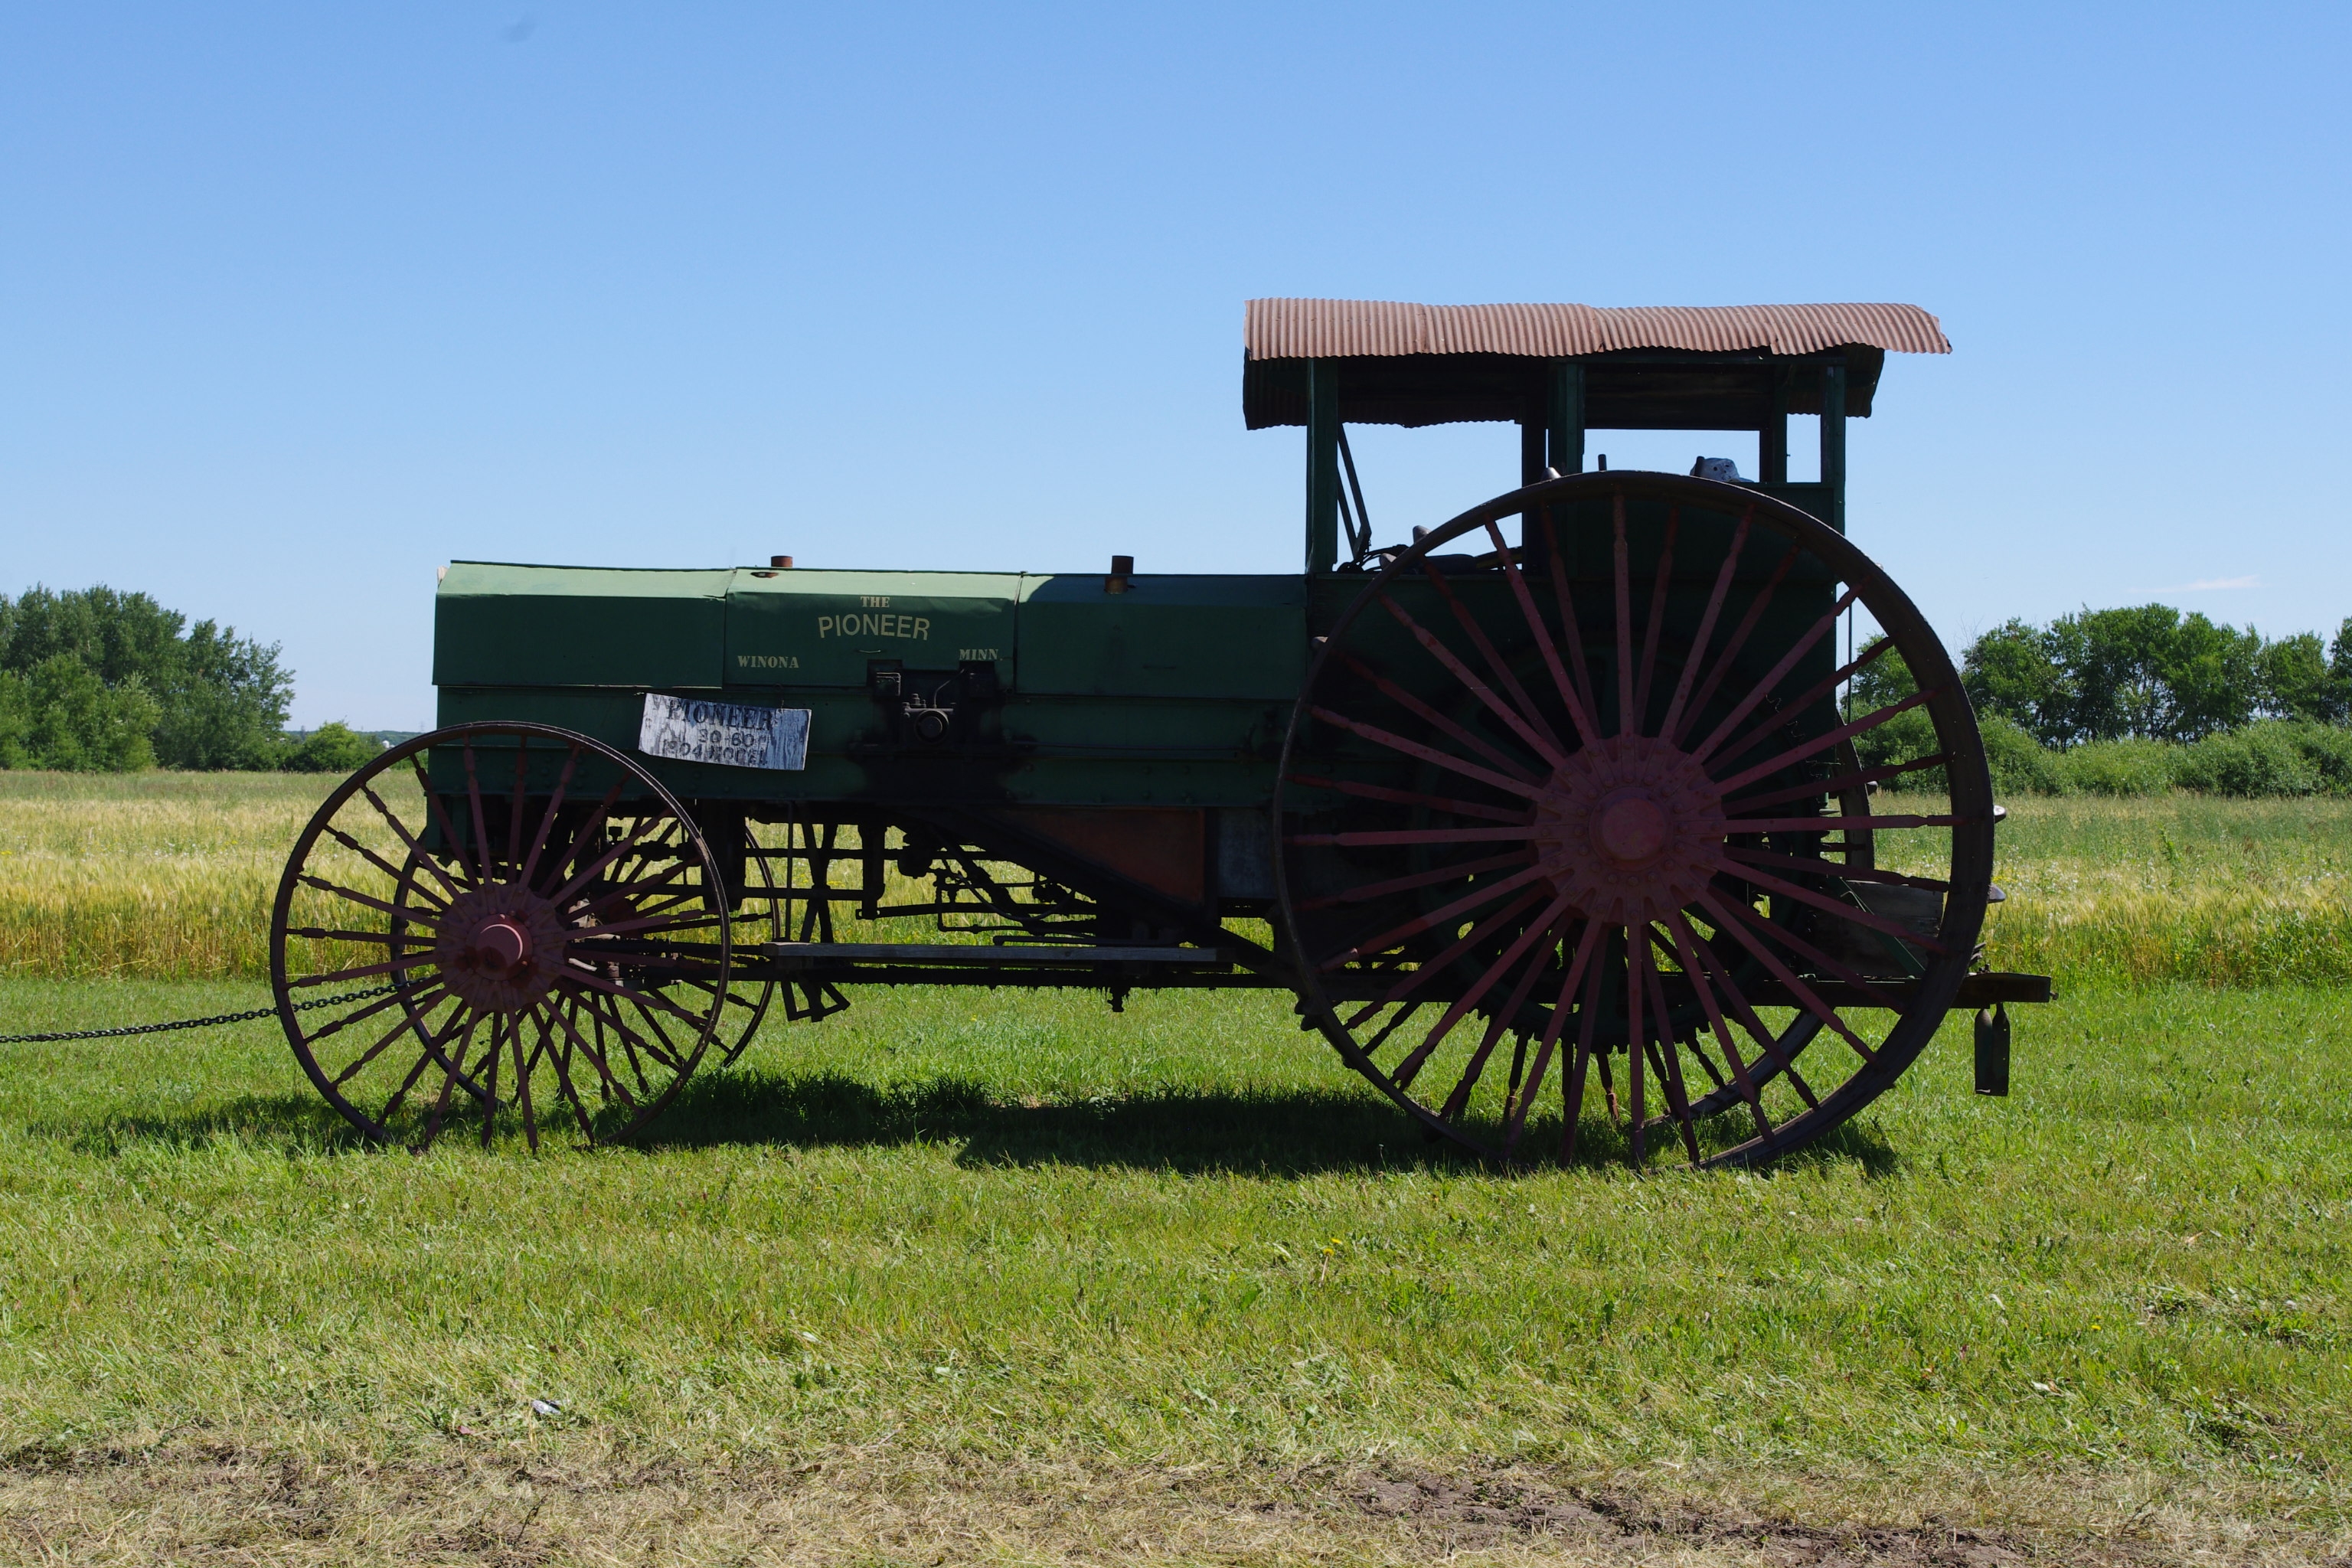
x: 500, y: 948
x: 1629, y: 829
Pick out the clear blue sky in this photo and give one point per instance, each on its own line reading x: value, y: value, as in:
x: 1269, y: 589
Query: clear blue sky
x: 297, y: 301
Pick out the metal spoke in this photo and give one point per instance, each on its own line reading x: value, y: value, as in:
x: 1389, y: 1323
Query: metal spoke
x: 1587, y: 731
x: 1636, y: 1037
x: 587, y: 873
x: 387, y: 938
x: 1836, y: 969
x: 1416, y: 978
x: 1540, y: 928
x: 473, y: 804
x: 1650, y: 632
x: 396, y: 911
x: 1782, y: 972
x: 1833, y: 869
x: 1537, y: 731
x: 1570, y: 632
x: 399, y: 878
x: 1668, y: 725
x: 546, y: 818
x: 1823, y: 901
x: 408, y: 838
x: 498, y: 1022
x: 1454, y: 910
x: 1552, y: 932
x: 562, y: 1016
x: 1413, y: 797
x: 514, y: 808
x: 1548, y: 750
x: 1692, y: 971
x: 360, y: 1062
x: 523, y: 1084
x: 400, y: 1096
x: 1737, y: 640
x: 1426, y: 753
x: 1844, y: 824
x: 425, y: 998
x: 1571, y: 1085
x: 611, y: 1015
x: 1518, y: 834
x: 1455, y: 872
x: 584, y: 837
x: 1823, y: 742
x: 360, y: 972
x: 1814, y: 693
x: 1736, y: 1001
x: 1582, y: 961
x: 1837, y: 784
x: 1439, y: 722
x: 1772, y: 678
x: 1669, y: 1050
x: 449, y: 1075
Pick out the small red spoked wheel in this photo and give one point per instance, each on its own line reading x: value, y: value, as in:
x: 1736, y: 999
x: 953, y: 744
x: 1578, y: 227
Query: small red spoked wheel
x: 1590, y: 809
x: 534, y: 924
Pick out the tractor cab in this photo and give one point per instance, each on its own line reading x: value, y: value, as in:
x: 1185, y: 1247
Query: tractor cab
x: 1557, y: 370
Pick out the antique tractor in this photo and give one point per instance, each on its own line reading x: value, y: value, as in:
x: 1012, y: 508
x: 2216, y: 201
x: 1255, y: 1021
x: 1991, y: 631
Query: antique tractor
x: 1563, y: 809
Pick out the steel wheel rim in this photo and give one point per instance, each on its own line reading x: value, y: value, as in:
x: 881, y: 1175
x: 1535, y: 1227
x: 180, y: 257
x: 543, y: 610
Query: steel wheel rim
x: 571, y: 951
x: 1554, y: 687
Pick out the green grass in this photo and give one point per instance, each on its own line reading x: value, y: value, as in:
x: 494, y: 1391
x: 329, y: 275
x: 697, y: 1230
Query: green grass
x: 1022, y: 1229
x: 2173, y: 888
x: 157, y: 875
x: 1001, y: 1241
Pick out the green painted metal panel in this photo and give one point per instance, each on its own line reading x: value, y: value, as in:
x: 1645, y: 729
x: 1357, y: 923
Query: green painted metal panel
x: 794, y: 629
x: 1173, y: 636
x: 578, y: 625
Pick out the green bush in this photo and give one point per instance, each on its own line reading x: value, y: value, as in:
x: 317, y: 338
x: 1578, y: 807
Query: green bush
x: 59, y: 714
x: 212, y: 699
x: 2328, y: 749
x: 2269, y: 758
x: 2019, y: 764
x: 332, y: 748
x: 2128, y: 767
x: 2259, y: 760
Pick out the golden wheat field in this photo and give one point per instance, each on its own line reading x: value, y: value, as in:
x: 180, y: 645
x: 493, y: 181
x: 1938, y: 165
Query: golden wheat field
x: 169, y: 876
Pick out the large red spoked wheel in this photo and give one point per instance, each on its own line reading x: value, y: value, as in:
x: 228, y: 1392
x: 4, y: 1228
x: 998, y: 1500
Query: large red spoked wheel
x: 1581, y: 819
x: 550, y: 931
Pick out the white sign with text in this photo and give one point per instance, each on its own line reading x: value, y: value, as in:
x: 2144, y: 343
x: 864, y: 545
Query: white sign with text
x: 690, y: 730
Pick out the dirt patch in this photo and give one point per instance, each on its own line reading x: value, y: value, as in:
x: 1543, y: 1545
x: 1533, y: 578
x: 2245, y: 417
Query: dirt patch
x: 522, y: 1510
x: 1472, y: 1512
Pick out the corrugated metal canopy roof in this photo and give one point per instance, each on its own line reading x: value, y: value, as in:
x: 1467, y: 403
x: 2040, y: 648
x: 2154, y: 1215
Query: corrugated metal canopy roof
x: 1652, y: 367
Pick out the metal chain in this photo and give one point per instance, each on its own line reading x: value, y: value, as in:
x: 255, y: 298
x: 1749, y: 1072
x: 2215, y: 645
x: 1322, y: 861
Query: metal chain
x: 190, y: 1023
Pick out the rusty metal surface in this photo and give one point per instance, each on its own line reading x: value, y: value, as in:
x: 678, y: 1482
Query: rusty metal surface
x: 1340, y: 329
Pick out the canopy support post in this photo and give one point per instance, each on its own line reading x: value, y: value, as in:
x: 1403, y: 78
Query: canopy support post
x: 1773, y: 441
x: 1833, y: 441
x: 1567, y: 416
x: 1322, y: 465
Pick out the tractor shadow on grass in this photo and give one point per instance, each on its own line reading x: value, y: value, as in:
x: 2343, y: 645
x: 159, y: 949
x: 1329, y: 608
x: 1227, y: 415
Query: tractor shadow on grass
x: 1296, y: 1132
x: 1276, y: 1132
x: 294, y: 1122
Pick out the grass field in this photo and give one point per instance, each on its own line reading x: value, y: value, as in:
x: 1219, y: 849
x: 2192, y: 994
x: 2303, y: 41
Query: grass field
x: 971, y: 1277
x: 169, y: 876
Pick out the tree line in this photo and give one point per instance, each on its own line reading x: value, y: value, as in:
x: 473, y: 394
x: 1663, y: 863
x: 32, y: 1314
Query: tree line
x: 2137, y: 700
x: 95, y: 680
x: 2116, y: 701
x: 2152, y: 673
